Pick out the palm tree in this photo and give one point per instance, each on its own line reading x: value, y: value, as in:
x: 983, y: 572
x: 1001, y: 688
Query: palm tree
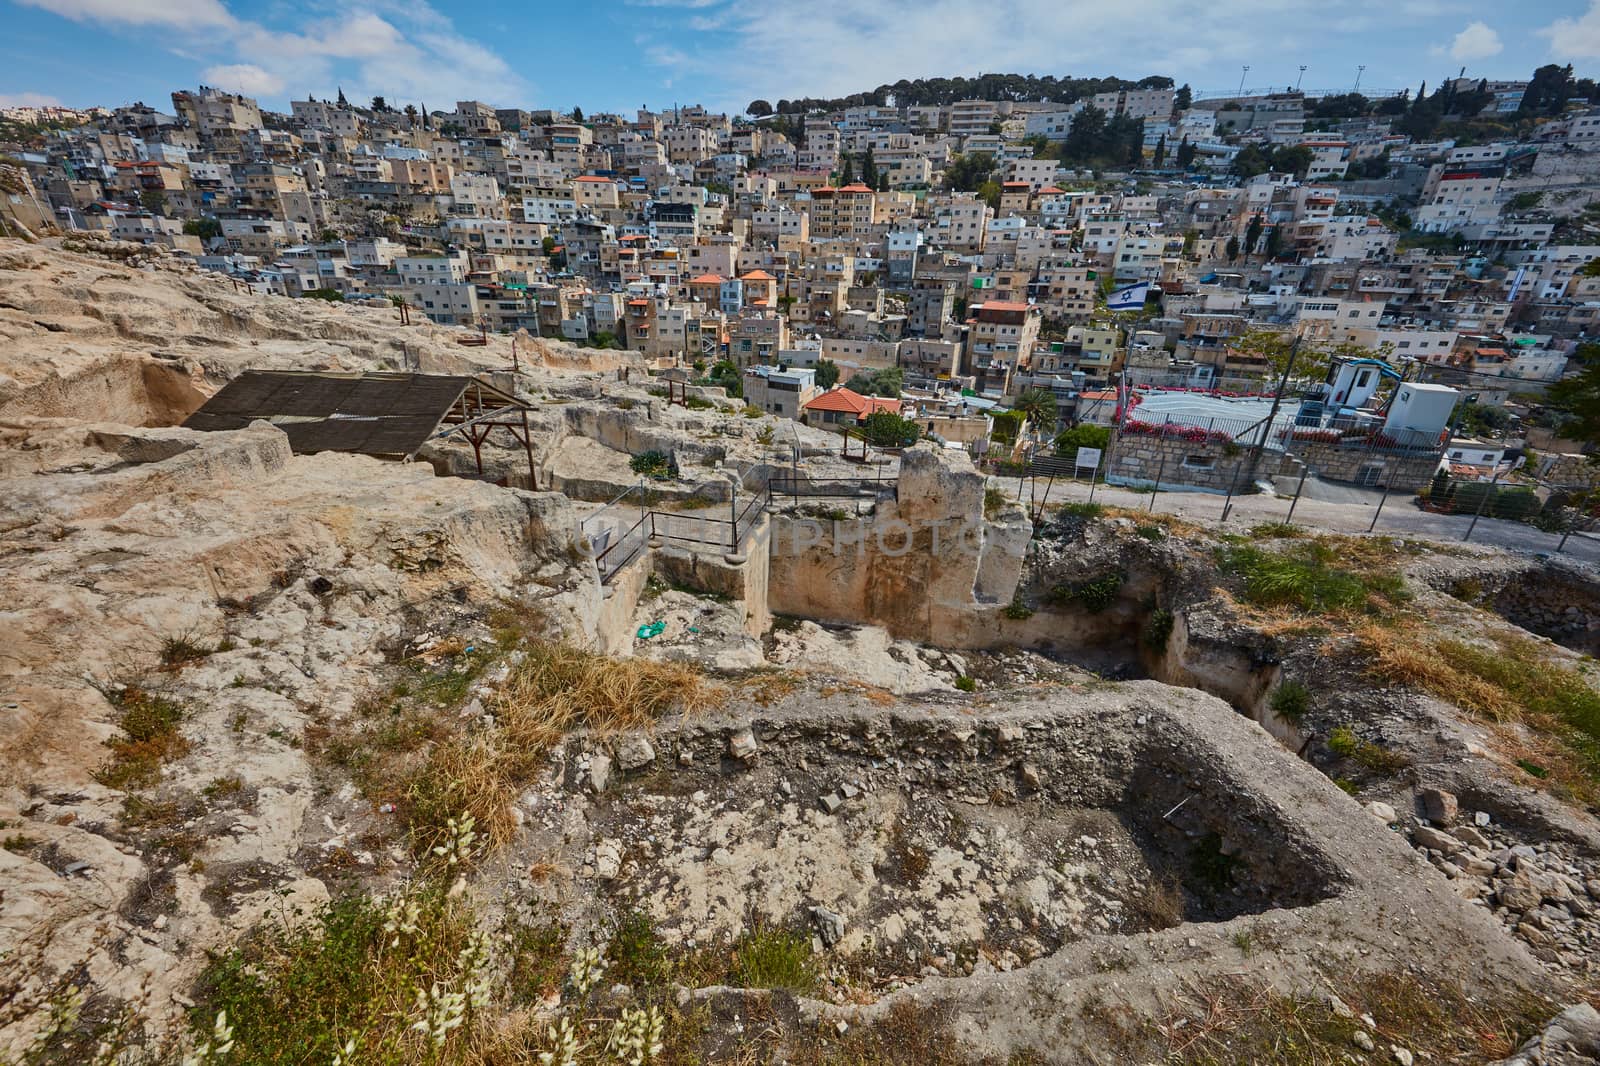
x: 1038, y: 406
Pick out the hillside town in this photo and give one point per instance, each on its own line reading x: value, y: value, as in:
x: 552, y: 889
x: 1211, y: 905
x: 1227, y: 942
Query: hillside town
x: 949, y: 245
x: 983, y: 571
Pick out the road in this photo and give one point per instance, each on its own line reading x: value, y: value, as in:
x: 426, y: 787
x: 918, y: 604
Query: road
x: 1400, y: 517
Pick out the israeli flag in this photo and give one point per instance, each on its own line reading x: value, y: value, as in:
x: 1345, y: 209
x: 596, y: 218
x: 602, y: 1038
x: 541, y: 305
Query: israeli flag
x: 1130, y: 299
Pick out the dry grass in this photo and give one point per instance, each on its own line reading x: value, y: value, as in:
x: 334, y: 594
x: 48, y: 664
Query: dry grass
x: 1235, y: 1020
x: 1544, y: 715
x: 553, y: 691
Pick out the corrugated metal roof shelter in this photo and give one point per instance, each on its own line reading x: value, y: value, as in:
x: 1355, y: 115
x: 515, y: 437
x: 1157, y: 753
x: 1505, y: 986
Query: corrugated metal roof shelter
x: 386, y: 415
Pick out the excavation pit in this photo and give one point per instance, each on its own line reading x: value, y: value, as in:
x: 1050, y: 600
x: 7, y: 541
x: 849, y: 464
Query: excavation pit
x: 935, y: 837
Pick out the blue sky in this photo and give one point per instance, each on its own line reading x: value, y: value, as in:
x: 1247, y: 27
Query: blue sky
x: 619, y: 54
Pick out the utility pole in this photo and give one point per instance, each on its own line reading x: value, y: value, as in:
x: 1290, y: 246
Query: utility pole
x: 1272, y: 415
x: 1298, y: 80
x: 1242, y: 75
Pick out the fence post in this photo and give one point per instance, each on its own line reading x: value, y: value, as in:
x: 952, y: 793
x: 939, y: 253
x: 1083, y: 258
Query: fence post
x: 1298, y: 489
x: 1381, y: 501
x: 1227, y: 503
x: 1481, y: 504
x: 1161, y: 468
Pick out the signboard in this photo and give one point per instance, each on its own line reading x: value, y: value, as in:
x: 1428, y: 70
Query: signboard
x: 1088, y: 457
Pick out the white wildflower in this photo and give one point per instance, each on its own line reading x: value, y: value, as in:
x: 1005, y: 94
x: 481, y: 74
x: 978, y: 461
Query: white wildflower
x: 219, y: 1044
x: 565, y: 1046
x: 457, y: 847
x: 477, y: 982
x: 402, y: 917
x: 587, y: 966
x: 442, y: 1010
x: 636, y: 1036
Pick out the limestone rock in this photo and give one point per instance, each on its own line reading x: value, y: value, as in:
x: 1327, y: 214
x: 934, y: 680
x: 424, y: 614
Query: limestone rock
x: 634, y: 752
x: 1438, y: 806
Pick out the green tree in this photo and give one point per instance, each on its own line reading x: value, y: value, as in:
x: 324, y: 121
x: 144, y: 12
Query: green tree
x: 1233, y: 248
x: 1084, y: 435
x: 869, y: 170
x: 847, y: 172
x: 577, y: 114
x: 1038, y: 406
x: 758, y: 109
x: 1274, y: 241
x: 1183, y: 99
x: 885, y: 429
x: 1250, y: 162
x: 886, y: 382
x: 204, y: 227
x: 1186, y: 154
x: 379, y: 104
x: 1577, y: 400
x: 1252, y: 235
x: 1160, y: 156
x: 153, y: 201
x: 1086, y: 139
x: 989, y: 193
x: 827, y: 373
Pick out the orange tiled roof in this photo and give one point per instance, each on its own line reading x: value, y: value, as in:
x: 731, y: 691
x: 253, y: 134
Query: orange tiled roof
x: 848, y: 401
x: 708, y: 279
x: 592, y: 177
x: 757, y: 275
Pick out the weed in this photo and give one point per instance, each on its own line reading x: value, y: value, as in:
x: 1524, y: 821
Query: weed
x: 1081, y: 510
x: 178, y: 652
x: 1467, y: 589
x: 1150, y: 532
x: 698, y: 403
x: 1017, y: 610
x: 1304, y: 578
x: 1347, y: 786
x: 1276, y: 531
x: 19, y: 842
x: 1158, y: 629
x: 1093, y: 595
x: 766, y: 435
x: 538, y: 960
x: 1344, y: 743
x: 752, y: 411
x: 774, y: 958
x: 966, y: 683
x: 1533, y: 769
x: 149, y: 724
x: 223, y: 788
x: 1290, y: 701
x: 1244, y: 942
x: 994, y: 502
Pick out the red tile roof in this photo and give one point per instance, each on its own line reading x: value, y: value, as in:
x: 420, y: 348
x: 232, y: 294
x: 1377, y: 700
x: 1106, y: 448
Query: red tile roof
x: 757, y: 275
x: 1003, y: 305
x: 708, y: 279
x: 848, y: 401
x: 854, y: 187
x: 591, y: 177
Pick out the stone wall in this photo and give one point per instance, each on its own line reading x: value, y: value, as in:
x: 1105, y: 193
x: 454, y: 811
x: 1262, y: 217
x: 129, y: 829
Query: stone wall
x: 1336, y: 462
x: 926, y: 565
x: 1141, y: 459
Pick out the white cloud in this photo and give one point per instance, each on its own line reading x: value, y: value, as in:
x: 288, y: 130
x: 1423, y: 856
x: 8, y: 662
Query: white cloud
x: 830, y: 47
x: 1477, y: 41
x: 175, y: 13
x: 244, y: 78
x: 1577, y: 38
x: 28, y: 100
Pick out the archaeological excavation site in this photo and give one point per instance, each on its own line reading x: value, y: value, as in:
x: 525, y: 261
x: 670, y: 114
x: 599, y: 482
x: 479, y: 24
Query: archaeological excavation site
x: 373, y: 698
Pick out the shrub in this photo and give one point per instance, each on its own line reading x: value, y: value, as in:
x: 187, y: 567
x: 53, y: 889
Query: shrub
x: 966, y: 684
x: 885, y: 429
x: 149, y: 724
x: 1344, y: 743
x: 1094, y: 595
x: 1290, y: 701
x: 1069, y: 441
x: 1016, y: 610
x: 1081, y: 510
x: 652, y: 464
x: 994, y: 501
x: 1158, y: 629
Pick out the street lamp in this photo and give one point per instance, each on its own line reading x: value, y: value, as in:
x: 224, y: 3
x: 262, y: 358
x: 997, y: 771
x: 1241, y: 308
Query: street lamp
x: 1301, y: 78
x: 1242, y: 77
x: 1360, y: 70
